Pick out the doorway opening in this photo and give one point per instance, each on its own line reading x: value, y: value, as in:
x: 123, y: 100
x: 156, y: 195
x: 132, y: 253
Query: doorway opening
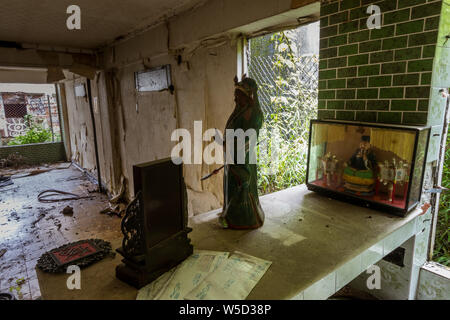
x: 29, y: 114
x: 30, y: 125
x: 285, y: 65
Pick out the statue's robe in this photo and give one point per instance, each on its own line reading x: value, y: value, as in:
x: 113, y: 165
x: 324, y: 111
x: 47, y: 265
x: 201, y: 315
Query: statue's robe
x: 241, y: 209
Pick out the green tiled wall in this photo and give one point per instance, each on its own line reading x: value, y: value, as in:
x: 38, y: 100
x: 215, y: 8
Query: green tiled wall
x: 37, y: 153
x: 379, y: 75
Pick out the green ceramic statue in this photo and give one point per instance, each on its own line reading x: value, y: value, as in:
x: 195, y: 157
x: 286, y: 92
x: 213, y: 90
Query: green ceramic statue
x: 241, y: 208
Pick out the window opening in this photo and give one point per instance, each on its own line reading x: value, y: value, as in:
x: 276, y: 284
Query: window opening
x: 285, y: 65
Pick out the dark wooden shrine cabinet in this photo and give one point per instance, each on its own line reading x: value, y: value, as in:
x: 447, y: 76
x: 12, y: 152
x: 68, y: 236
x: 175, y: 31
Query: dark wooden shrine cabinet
x: 155, y: 224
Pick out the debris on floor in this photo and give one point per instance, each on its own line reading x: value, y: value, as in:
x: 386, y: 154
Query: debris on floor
x: 67, y: 211
x: 29, y: 228
x: 39, y: 218
x: 57, y: 223
x: 12, y: 160
x: 32, y: 173
x: 5, y: 181
x: 117, y: 210
x: 15, y: 216
x: 77, y: 177
x: 118, y: 204
x: 25, y: 170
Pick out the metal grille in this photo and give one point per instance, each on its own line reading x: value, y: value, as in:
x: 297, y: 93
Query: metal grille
x: 15, y: 110
x: 263, y: 70
x: 309, y: 72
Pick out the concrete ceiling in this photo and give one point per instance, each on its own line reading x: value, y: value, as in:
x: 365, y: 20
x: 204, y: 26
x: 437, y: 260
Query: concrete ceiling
x: 44, y: 22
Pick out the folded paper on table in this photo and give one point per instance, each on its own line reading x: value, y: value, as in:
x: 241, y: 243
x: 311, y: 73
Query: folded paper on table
x: 234, y: 279
x: 176, y: 283
x: 208, y: 275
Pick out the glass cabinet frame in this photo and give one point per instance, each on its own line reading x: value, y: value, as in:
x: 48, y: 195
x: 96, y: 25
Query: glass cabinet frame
x: 414, y: 179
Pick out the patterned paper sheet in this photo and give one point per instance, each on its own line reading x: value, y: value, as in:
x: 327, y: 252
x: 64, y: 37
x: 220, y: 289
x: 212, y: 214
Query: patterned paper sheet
x: 176, y: 283
x: 234, y: 279
x: 208, y: 275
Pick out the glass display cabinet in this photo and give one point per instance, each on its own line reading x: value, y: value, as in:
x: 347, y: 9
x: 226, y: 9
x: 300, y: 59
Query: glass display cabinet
x: 379, y: 166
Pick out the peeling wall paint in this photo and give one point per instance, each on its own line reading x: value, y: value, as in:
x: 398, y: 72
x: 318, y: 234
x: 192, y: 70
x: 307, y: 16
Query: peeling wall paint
x: 142, y: 123
x: 203, y: 93
x: 81, y: 132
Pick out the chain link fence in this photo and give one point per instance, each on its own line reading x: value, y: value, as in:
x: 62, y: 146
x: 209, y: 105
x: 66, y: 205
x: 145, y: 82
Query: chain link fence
x: 265, y: 73
x: 285, y: 66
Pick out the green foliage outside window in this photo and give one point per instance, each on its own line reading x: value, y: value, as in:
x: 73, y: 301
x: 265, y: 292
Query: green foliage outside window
x: 36, y: 133
x: 442, y: 241
x: 286, y: 127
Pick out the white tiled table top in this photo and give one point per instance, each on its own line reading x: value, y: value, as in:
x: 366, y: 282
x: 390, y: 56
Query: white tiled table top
x: 317, y: 245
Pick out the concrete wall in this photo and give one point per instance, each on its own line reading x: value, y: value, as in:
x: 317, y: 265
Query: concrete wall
x: 204, y: 92
x: 145, y: 121
x: 81, y: 132
x: 106, y: 133
x: 133, y: 127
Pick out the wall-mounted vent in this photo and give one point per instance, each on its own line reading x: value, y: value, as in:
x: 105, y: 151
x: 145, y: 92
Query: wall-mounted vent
x: 156, y: 79
x: 80, y: 90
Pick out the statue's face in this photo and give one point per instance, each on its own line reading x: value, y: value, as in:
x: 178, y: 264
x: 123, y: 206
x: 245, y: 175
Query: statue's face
x: 364, y: 145
x: 240, y: 97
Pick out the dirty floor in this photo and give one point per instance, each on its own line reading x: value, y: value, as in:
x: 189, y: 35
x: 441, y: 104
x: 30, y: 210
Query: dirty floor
x: 29, y: 228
